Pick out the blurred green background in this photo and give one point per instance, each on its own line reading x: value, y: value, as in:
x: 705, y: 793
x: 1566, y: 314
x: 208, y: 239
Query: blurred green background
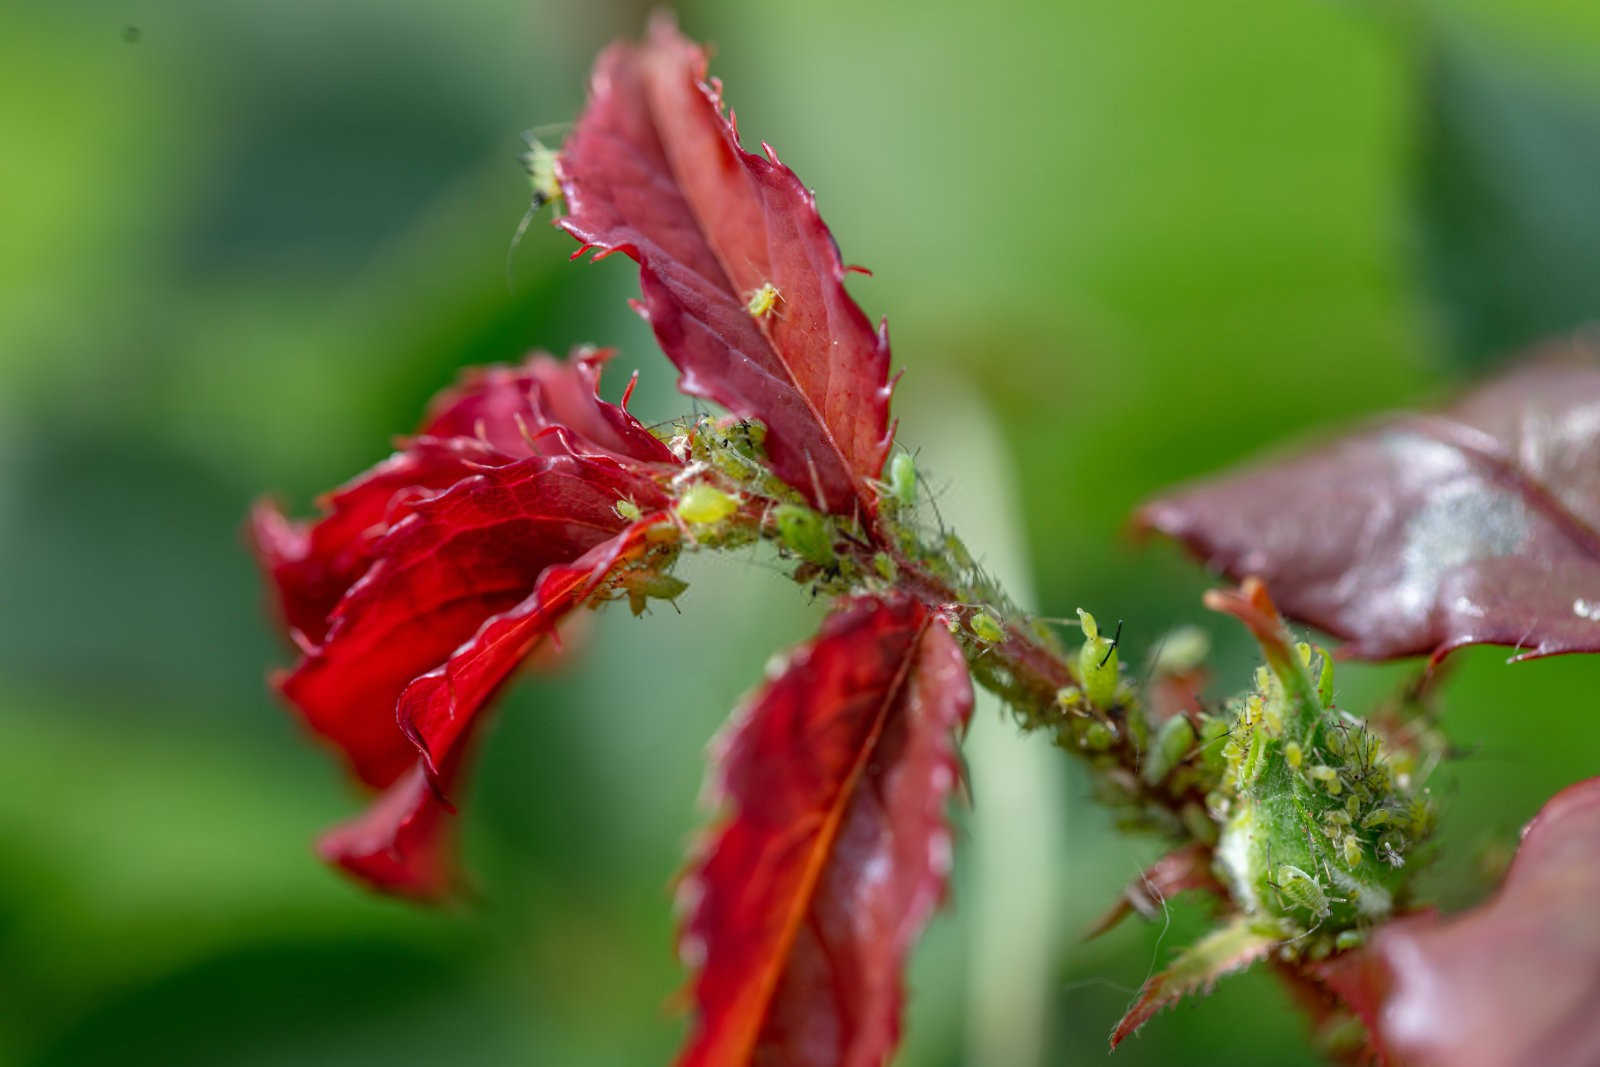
x: 242, y: 242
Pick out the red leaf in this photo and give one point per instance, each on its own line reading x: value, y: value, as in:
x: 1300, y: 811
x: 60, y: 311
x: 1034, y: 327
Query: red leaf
x: 1182, y: 869
x: 656, y: 171
x: 1515, y: 981
x: 511, y: 407
x: 453, y: 561
x: 488, y: 530
x: 1225, y: 950
x: 1425, y: 533
x: 310, y: 566
x: 403, y: 844
x: 494, y: 416
x: 836, y: 849
x: 438, y: 709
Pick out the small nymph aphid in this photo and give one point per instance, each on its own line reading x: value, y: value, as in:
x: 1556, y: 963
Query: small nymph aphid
x: 986, y: 628
x: 1303, y: 891
x: 902, y: 481
x: 763, y: 300
x: 627, y: 510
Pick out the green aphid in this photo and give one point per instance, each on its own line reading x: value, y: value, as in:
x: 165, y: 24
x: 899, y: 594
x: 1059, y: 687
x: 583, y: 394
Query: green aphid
x: 1250, y: 765
x: 902, y: 482
x: 1293, y: 754
x: 703, y: 504
x: 986, y: 628
x: 1349, y: 939
x: 1376, y: 819
x: 1172, y: 742
x: 627, y: 510
x: 1328, y: 777
x: 1097, y: 663
x: 1350, y: 847
x: 1096, y: 736
x: 1302, y: 891
x: 540, y: 163
x: 805, y: 533
x: 1325, y: 678
x: 644, y: 586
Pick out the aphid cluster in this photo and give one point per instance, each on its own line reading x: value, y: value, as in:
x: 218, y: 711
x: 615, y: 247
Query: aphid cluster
x: 1317, y: 825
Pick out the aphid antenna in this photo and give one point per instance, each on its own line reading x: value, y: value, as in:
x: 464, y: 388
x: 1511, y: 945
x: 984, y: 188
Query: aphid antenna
x: 1116, y: 639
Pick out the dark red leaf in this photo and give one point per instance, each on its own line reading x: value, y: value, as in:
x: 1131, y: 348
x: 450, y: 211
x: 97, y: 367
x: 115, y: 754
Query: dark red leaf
x: 1515, y: 981
x: 656, y: 171
x: 1422, y: 533
x: 1180, y: 870
x: 835, y: 850
x: 453, y: 561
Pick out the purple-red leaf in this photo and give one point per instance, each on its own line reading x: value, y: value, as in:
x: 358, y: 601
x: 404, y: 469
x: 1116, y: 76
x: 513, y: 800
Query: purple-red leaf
x: 655, y: 170
x: 1515, y: 981
x: 835, y: 849
x: 1423, y: 533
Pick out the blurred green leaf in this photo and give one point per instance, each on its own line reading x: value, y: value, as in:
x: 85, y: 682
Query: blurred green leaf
x: 1506, y: 187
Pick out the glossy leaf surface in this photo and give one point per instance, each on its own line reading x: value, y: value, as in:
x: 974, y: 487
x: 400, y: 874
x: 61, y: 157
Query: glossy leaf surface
x: 835, y: 849
x: 1421, y: 533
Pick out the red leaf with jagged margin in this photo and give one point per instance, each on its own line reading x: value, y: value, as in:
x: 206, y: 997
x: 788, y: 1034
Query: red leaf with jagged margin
x: 836, y: 849
x: 438, y: 709
x: 1225, y: 950
x: 1423, y: 533
x: 511, y: 408
x: 1180, y: 870
x: 455, y: 560
x: 494, y: 416
x: 656, y: 171
x: 1515, y: 981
